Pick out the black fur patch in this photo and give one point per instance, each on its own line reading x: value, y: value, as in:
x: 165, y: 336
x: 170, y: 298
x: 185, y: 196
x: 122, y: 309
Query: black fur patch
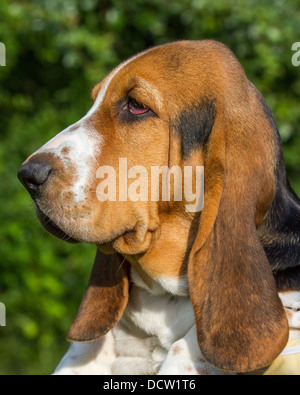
x: 281, y: 234
x: 288, y: 279
x: 280, y: 231
x: 194, y: 126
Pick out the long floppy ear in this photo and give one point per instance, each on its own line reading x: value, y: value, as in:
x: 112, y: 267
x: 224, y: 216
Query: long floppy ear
x: 104, y: 301
x: 241, y: 323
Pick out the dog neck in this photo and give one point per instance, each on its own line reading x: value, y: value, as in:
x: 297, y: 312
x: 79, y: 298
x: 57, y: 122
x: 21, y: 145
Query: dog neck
x: 165, y: 262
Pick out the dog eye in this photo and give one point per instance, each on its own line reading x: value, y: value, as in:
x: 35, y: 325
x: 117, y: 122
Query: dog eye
x: 136, y: 108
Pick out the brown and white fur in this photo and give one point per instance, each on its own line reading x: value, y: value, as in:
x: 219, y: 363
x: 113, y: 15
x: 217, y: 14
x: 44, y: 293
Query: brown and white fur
x: 173, y: 292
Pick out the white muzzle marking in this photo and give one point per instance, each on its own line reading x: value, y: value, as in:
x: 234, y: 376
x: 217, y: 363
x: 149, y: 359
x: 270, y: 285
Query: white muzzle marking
x: 82, y: 143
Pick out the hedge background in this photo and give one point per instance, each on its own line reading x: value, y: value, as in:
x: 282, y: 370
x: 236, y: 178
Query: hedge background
x: 56, y: 51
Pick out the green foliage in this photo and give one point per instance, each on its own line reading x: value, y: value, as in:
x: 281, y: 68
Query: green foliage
x: 56, y: 51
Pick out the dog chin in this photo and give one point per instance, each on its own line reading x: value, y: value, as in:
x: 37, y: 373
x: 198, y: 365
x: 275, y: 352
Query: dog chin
x: 52, y: 228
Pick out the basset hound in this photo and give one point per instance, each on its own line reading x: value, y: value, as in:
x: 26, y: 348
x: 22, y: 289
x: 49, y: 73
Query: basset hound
x: 173, y: 291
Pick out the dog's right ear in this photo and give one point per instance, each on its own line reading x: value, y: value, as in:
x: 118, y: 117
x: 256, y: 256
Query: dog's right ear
x: 104, y: 301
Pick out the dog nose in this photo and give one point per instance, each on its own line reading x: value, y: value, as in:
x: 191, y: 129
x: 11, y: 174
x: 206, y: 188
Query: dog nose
x: 33, y: 175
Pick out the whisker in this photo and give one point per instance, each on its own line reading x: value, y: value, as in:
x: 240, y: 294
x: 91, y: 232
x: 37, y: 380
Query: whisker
x: 121, y: 265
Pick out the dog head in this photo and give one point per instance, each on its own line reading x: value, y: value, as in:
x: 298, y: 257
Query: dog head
x: 184, y: 104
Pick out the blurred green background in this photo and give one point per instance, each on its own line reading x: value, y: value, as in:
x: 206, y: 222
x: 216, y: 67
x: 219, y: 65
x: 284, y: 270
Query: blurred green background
x: 56, y: 51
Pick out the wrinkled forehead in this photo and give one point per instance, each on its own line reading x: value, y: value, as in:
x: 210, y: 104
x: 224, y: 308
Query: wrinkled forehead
x: 162, y: 67
x: 134, y: 66
x: 179, y: 73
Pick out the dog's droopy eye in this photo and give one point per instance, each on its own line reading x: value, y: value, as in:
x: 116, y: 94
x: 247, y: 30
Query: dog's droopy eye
x: 136, y: 108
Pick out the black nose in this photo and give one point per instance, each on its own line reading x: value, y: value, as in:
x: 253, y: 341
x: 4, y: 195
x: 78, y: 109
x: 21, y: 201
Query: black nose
x: 33, y: 175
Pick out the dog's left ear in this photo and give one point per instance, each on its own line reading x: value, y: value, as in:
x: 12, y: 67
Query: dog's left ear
x: 241, y: 323
x: 104, y: 301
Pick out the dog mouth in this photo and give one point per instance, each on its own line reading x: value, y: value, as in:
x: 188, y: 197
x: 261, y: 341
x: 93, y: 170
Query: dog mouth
x: 51, y: 227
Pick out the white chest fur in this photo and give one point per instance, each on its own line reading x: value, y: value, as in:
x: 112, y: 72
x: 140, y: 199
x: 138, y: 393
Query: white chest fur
x: 153, y: 321
x: 156, y: 335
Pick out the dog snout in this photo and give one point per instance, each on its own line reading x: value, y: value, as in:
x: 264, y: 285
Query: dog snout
x: 34, y: 175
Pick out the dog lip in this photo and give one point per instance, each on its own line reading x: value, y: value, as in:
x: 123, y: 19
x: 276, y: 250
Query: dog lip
x: 51, y: 227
